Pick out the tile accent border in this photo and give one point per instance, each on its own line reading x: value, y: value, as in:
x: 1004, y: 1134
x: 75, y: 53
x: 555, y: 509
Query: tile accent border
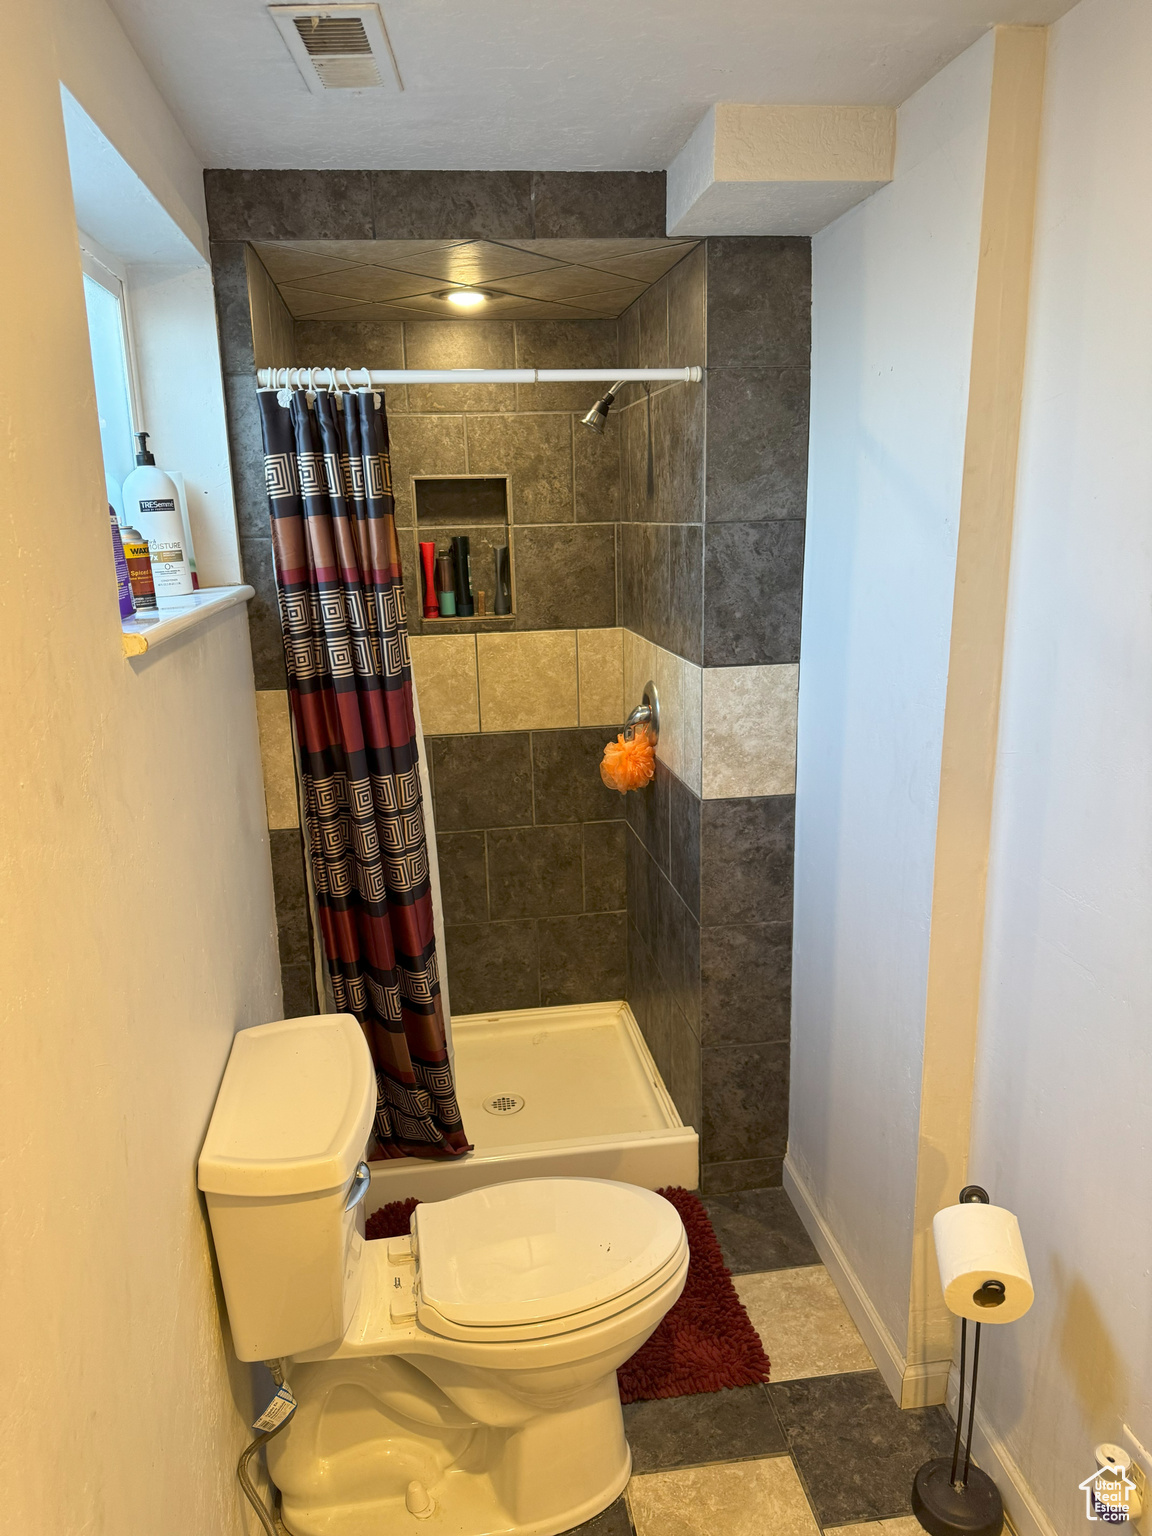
x: 728, y: 733
x: 525, y: 680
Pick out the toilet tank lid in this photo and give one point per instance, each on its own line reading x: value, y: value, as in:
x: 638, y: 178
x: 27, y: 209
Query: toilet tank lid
x: 539, y: 1249
x: 294, y: 1109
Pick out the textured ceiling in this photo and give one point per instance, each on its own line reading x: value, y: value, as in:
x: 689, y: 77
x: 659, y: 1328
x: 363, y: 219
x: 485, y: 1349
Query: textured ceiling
x: 526, y: 279
x: 541, y: 84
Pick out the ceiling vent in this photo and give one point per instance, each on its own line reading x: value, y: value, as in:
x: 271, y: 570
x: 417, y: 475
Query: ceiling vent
x: 338, y: 47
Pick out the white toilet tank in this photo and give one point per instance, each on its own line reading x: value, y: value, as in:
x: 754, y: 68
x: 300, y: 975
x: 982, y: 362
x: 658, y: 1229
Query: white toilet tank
x: 279, y: 1168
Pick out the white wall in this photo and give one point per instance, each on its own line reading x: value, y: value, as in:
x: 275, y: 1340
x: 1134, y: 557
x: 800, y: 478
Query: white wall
x: 99, y: 66
x: 1063, y: 1126
x: 182, y: 395
x: 894, y: 285
x: 138, y: 933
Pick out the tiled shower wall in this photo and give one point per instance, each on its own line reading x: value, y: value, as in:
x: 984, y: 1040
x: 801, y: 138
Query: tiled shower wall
x: 530, y: 849
x: 564, y: 512
x: 708, y: 559
x: 714, y: 490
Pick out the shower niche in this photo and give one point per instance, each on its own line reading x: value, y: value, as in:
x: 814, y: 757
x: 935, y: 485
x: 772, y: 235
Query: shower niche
x: 475, y: 507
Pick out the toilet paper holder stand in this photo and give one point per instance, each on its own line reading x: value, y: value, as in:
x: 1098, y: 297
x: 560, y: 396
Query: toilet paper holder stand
x: 949, y: 1499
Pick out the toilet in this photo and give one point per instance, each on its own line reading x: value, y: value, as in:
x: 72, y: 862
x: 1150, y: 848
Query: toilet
x: 459, y: 1380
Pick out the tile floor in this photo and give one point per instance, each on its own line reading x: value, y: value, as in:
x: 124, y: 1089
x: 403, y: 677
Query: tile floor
x: 821, y: 1449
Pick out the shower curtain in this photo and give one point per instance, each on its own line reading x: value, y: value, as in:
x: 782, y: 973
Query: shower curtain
x: 350, y: 687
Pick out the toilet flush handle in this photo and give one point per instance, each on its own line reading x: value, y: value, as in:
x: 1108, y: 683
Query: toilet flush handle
x: 359, y: 1187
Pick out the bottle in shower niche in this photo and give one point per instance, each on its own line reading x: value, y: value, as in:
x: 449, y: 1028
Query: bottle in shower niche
x: 502, y: 596
x: 462, y: 559
x: 445, y: 585
x: 152, y: 505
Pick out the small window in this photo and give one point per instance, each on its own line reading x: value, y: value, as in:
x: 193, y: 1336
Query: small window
x: 112, y: 368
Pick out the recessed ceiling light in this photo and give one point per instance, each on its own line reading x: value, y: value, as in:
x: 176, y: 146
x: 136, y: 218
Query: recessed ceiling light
x: 464, y: 298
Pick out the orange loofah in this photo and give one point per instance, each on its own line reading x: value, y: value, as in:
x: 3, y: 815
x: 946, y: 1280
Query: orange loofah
x: 628, y: 764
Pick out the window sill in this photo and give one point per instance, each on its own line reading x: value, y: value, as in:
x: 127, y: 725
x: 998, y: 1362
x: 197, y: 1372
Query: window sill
x: 145, y: 631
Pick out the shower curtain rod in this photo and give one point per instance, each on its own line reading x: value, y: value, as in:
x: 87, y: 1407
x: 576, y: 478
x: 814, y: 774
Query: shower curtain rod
x: 377, y: 378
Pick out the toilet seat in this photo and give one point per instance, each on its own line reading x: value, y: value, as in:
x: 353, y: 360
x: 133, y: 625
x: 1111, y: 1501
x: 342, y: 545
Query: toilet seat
x: 541, y: 1257
x: 434, y: 1322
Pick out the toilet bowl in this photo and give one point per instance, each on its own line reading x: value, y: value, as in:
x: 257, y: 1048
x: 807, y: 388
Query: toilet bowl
x: 457, y: 1380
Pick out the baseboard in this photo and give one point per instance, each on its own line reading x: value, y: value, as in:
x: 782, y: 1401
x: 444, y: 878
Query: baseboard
x: 1025, y: 1515
x: 912, y: 1386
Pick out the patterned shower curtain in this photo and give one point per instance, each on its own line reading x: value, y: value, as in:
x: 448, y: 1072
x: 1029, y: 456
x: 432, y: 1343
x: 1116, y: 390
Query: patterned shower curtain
x: 350, y: 687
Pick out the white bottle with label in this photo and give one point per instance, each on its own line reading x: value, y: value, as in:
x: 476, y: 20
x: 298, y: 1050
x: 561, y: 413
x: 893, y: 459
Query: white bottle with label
x: 152, y: 504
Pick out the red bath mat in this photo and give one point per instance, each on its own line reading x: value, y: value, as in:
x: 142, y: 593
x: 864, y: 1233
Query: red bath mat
x: 705, y: 1343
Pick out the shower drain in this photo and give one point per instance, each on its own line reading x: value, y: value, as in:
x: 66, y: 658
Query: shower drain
x: 504, y: 1104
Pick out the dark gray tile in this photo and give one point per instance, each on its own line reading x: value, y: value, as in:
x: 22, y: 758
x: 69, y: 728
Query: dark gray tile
x: 535, y: 450
x: 463, y: 876
x: 264, y: 630
x: 684, y: 843
x: 460, y: 344
x: 631, y: 575
x: 636, y: 503
x: 355, y: 344
x: 612, y: 1521
x: 639, y: 972
x: 599, y: 205
x: 628, y: 336
x: 596, y: 462
x: 298, y: 983
x: 684, y: 629
x: 856, y: 1450
x: 654, y: 326
x: 424, y: 445
x: 492, y: 966
x: 605, y: 877
x: 582, y: 959
x: 748, y: 1173
x: 744, y: 1091
x: 648, y: 814
x: 678, y: 951
x: 563, y: 344
x: 565, y: 577
x: 746, y: 983
x: 687, y: 282
x: 684, y: 1065
x: 757, y: 444
x: 619, y: 572
x: 753, y: 582
x: 655, y: 592
x: 759, y: 301
x: 535, y: 872
x: 350, y: 343
x: 291, y: 890
x: 289, y: 205
x: 643, y: 878
x: 695, y: 1431
x: 452, y: 205
x: 648, y: 998
x: 566, y: 777
x: 246, y: 451
x: 746, y: 860
x: 759, y: 1230
x: 481, y: 781
x: 678, y: 427
x: 233, y: 307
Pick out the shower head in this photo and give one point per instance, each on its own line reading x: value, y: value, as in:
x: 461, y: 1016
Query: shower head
x: 598, y: 415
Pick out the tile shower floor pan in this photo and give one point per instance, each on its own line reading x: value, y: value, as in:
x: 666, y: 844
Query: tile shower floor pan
x: 570, y: 1092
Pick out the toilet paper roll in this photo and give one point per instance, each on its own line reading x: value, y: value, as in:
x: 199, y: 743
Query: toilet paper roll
x: 983, y: 1266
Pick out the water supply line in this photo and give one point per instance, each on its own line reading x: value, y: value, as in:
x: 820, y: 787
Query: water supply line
x: 271, y: 1522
